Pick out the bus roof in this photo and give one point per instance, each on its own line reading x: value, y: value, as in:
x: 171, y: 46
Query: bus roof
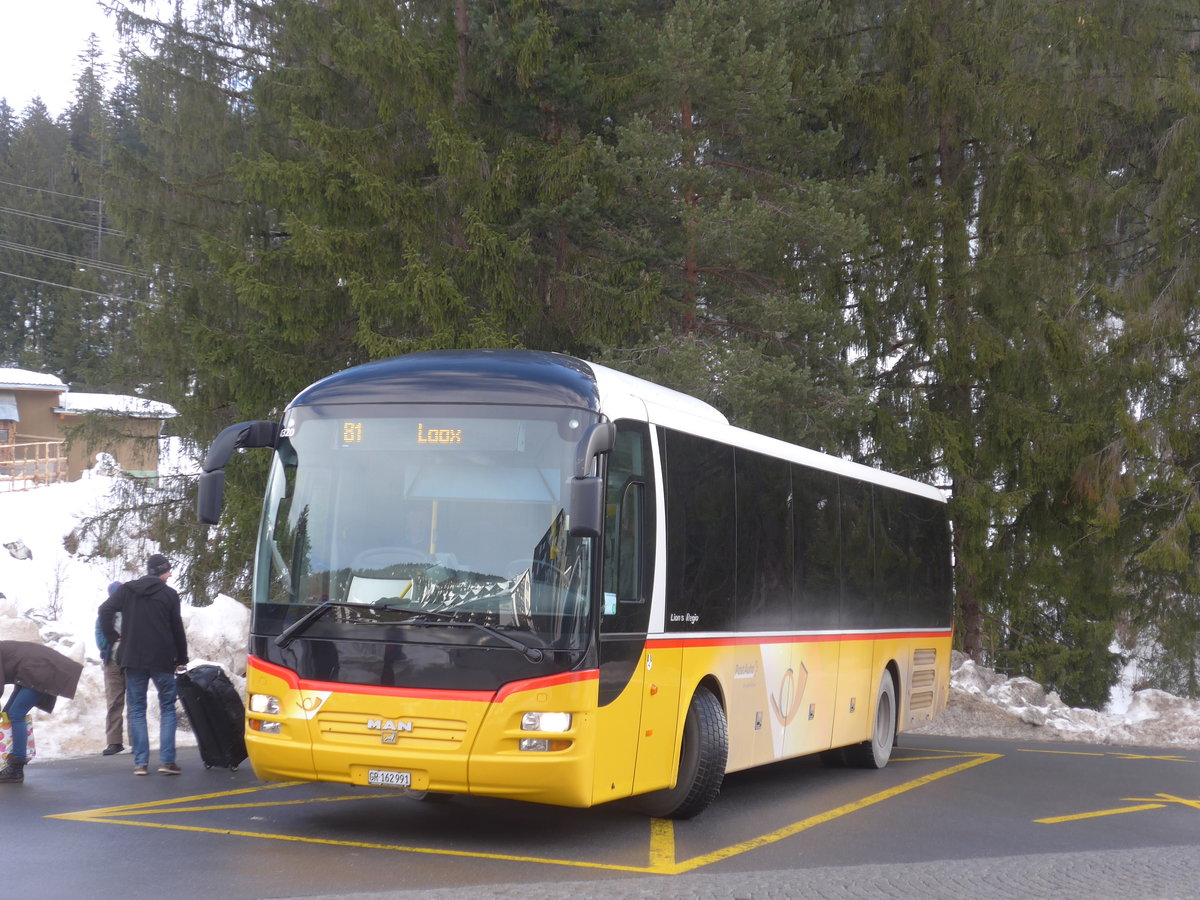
x: 554, y: 379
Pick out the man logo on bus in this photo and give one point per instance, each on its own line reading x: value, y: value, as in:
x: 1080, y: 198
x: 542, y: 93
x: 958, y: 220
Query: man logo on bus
x: 786, y: 705
x: 388, y: 725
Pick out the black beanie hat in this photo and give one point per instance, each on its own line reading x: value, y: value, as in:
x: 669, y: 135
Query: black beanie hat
x: 157, y: 564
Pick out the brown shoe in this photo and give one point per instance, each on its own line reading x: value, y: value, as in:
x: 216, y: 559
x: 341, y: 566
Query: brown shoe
x: 169, y: 769
x: 141, y: 770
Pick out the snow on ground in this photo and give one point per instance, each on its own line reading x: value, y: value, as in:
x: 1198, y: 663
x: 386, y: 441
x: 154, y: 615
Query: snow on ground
x: 49, y: 595
x: 985, y: 704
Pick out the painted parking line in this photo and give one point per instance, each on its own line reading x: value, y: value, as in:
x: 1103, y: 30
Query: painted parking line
x: 1141, y: 756
x: 1158, y: 801
x: 661, y: 856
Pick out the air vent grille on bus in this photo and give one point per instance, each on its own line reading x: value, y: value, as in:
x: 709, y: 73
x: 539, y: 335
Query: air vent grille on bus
x: 923, y: 678
x: 920, y: 700
x: 921, y: 683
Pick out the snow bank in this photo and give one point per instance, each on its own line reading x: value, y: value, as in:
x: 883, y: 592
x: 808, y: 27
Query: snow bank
x: 985, y: 704
x: 216, y: 635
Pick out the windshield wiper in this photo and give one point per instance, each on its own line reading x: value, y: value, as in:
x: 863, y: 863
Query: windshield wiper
x: 303, y: 623
x: 533, y: 654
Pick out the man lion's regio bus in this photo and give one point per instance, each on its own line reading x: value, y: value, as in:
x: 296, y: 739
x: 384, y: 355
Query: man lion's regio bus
x: 517, y: 574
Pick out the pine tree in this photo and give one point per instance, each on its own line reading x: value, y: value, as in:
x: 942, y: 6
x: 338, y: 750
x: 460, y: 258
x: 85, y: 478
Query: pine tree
x: 727, y: 205
x: 1155, y: 287
x: 984, y: 314
x: 35, y: 250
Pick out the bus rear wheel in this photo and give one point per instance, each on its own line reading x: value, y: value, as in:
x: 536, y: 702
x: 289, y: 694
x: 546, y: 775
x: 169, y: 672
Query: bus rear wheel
x: 875, y: 753
x: 702, y: 761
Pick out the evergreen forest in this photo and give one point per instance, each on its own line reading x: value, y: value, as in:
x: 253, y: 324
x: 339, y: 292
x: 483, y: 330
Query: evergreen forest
x: 960, y: 241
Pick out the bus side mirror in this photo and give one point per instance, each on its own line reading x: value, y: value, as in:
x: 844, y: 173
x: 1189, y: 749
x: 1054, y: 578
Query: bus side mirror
x: 599, y: 438
x: 245, y: 434
x: 587, y: 506
x: 587, y: 491
x: 210, y: 496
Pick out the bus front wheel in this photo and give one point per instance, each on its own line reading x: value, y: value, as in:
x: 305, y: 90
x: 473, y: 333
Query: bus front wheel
x: 875, y: 753
x: 702, y: 761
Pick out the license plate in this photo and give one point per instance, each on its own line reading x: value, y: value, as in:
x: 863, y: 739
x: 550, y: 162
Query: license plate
x: 388, y: 778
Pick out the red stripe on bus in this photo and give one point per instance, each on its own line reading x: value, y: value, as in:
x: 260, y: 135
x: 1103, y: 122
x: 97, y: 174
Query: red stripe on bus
x: 533, y: 684
x: 529, y: 684
x: 677, y: 641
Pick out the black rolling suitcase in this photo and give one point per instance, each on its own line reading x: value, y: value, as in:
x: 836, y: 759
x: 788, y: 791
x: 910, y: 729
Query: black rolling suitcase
x: 217, y: 714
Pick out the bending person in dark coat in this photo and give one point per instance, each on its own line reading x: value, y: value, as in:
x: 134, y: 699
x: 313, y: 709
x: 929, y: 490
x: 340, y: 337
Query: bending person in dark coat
x: 39, y: 676
x: 153, y: 647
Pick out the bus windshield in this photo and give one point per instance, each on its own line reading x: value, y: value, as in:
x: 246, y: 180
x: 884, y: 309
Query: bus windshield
x: 425, y: 515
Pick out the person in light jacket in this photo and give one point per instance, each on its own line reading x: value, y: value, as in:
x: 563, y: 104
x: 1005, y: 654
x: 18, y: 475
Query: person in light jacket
x: 114, y: 686
x: 39, y: 677
x: 153, y: 647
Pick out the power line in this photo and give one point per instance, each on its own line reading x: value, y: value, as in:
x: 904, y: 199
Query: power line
x: 113, y: 268
x: 54, y: 220
x: 48, y: 191
x: 70, y: 287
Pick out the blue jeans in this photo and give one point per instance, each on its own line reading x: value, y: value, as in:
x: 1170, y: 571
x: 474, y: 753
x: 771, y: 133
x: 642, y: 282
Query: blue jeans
x: 137, y: 682
x: 18, y: 707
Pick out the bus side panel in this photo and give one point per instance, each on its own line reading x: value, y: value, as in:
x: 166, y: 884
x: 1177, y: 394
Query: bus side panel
x: 661, y: 723
x: 809, y: 701
x: 617, y: 738
x: 856, y: 682
x: 560, y: 777
x: 770, y: 690
x: 924, y: 663
x: 286, y: 756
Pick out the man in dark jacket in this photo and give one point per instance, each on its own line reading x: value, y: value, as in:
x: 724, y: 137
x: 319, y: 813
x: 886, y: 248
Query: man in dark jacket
x: 153, y: 647
x: 39, y: 676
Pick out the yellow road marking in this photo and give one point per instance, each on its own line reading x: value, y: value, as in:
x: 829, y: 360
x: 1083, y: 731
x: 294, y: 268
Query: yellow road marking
x: 662, y: 844
x: 1158, y: 801
x: 158, y: 805
x: 1143, y: 756
x: 965, y: 754
x: 661, y: 857
x: 1062, y: 752
x: 1169, y: 798
x: 796, y: 827
x: 1055, y: 820
x: 1115, y: 755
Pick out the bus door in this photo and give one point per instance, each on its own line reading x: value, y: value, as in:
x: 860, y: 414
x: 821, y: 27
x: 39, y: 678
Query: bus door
x: 637, y: 716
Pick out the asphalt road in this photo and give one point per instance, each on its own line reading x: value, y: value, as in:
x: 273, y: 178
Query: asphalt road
x: 949, y: 817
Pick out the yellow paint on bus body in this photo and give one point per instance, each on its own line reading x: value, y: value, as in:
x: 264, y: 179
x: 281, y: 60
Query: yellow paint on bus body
x: 784, y: 697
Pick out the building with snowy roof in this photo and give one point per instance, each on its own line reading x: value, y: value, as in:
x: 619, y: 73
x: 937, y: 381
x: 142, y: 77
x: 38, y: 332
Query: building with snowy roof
x: 49, y: 433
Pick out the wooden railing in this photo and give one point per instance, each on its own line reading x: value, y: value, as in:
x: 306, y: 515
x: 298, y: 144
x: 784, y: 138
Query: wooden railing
x: 28, y: 464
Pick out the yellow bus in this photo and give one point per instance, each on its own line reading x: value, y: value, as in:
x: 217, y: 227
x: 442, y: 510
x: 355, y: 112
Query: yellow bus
x: 518, y: 574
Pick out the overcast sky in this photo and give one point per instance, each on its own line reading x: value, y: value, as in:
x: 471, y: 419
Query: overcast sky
x: 40, y: 42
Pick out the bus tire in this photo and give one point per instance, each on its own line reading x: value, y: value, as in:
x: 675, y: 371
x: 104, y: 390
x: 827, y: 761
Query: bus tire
x: 875, y: 753
x: 702, y: 761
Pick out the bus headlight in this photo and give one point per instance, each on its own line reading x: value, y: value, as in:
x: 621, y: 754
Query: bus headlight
x: 552, y: 722
x: 543, y: 745
x: 265, y: 727
x: 264, y: 703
